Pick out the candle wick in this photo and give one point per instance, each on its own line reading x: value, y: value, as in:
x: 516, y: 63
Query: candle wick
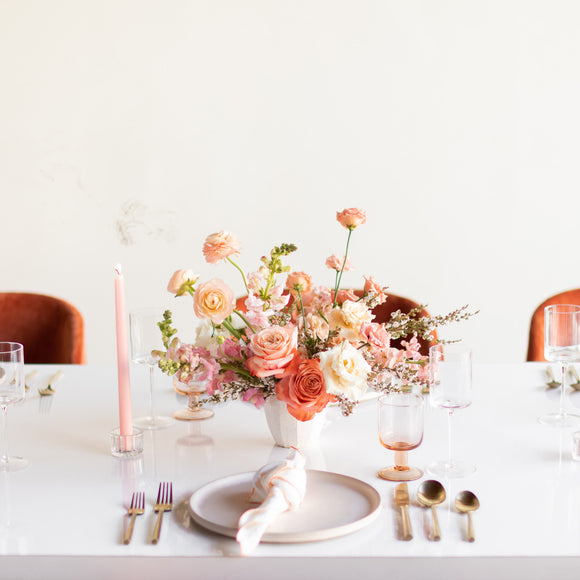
x: 118, y: 270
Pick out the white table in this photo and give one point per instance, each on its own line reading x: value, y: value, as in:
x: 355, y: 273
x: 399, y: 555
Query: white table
x: 63, y: 516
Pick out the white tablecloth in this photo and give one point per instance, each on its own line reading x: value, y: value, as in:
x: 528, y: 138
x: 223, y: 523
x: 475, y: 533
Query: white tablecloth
x: 63, y: 516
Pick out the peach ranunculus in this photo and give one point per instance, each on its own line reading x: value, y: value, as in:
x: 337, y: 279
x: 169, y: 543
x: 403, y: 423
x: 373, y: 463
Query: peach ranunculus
x: 298, y: 279
x: 371, y: 285
x: 349, y: 318
x: 303, y: 389
x: 181, y: 281
x: 220, y: 246
x: 273, y: 350
x: 214, y: 300
x: 345, y: 371
x: 351, y: 218
x: 334, y: 262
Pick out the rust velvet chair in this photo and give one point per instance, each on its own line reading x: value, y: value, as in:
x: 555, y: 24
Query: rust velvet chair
x: 51, y: 329
x: 536, y: 338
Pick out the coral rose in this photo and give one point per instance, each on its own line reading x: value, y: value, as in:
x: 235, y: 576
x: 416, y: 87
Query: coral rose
x: 219, y: 246
x: 273, y: 350
x: 345, y: 371
x: 213, y: 300
x: 351, y: 218
x: 303, y: 389
x: 179, y: 282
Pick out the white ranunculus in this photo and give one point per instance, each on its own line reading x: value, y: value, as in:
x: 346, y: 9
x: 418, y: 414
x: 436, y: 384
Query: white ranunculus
x: 345, y: 371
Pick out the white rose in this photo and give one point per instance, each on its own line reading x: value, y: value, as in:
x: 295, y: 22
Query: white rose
x: 349, y: 318
x: 345, y: 371
x: 205, y: 335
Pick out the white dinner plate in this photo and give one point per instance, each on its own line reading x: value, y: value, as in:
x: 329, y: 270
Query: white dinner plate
x: 334, y: 505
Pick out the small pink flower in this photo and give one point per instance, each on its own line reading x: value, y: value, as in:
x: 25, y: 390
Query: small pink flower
x: 220, y: 246
x: 213, y: 300
x: 179, y: 282
x: 298, y: 279
x: 371, y: 285
x: 344, y: 295
x: 376, y: 335
x: 254, y: 396
x: 335, y: 263
x: 351, y: 218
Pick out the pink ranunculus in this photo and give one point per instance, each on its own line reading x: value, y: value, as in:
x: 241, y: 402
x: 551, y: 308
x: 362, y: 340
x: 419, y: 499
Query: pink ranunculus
x: 273, y: 350
x: 371, y: 285
x: 213, y: 300
x: 351, y: 218
x: 180, y: 279
x: 219, y: 246
x: 376, y: 335
x: 334, y: 262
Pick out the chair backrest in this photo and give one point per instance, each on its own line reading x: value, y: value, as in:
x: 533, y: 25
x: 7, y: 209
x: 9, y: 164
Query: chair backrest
x: 51, y: 329
x: 536, y: 338
x: 382, y: 314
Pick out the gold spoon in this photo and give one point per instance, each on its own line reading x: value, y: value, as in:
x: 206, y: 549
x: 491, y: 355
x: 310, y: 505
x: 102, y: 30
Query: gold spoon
x: 552, y: 383
x: 430, y: 494
x: 467, y: 502
x: 574, y: 373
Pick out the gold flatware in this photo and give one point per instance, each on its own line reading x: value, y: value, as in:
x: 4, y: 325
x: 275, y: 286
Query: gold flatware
x: 136, y: 509
x: 402, y: 501
x: 575, y: 385
x: 48, y: 390
x: 164, y: 504
x: 430, y: 494
x: 552, y: 382
x: 467, y: 502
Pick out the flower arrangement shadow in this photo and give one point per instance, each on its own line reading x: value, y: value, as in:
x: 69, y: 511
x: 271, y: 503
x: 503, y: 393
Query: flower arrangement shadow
x: 306, y: 345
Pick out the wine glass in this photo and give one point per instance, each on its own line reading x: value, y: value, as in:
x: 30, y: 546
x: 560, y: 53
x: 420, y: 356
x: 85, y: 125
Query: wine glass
x: 451, y: 387
x: 145, y: 339
x: 561, y: 344
x: 12, y: 390
x: 400, y: 429
x: 194, y: 410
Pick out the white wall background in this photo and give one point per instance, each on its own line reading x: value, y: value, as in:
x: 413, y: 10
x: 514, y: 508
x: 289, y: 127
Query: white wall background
x: 131, y: 129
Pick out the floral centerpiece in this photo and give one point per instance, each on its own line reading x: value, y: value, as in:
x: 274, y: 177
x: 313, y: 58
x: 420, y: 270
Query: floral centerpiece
x: 287, y: 338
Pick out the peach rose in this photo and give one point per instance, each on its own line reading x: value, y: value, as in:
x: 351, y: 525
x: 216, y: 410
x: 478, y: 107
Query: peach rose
x: 219, y: 246
x: 273, y: 350
x: 303, y: 389
x: 351, y: 218
x: 179, y: 282
x: 300, y: 279
x: 335, y: 263
x: 213, y: 300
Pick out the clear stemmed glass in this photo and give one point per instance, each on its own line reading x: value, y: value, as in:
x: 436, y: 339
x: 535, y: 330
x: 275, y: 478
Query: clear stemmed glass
x: 451, y: 389
x: 400, y: 429
x: 12, y: 390
x: 194, y: 410
x: 145, y: 339
x: 561, y: 344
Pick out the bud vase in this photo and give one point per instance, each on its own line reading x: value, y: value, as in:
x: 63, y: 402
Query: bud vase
x: 288, y: 431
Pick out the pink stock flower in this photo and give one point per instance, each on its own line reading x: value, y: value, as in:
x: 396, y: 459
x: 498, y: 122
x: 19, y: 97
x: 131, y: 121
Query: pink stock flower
x: 273, y: 348
x: 371, y: 285
x: 351, y: 218
x: 223, y: 378
x: 220, y: 246
x: 197, y: 364
x: 179, y: 281
x: 254, y: 396
x: 213, y: 300
x: 334, y: 262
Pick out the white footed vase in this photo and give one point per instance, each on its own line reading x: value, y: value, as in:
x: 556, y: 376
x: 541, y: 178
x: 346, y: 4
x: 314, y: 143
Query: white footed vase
x: 287, y: 431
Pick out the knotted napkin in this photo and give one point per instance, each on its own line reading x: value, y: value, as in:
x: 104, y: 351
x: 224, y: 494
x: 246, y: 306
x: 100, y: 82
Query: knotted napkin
x: 278, y: 487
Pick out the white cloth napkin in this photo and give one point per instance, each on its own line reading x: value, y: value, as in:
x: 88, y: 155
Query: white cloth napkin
x: 278, y: 487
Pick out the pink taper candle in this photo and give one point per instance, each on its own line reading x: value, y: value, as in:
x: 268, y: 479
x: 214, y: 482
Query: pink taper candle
x: 125, y: 413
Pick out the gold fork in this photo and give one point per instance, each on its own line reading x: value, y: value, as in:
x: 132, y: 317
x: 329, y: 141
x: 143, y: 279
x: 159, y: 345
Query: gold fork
x: 164, y: 504
x: 136, y: 509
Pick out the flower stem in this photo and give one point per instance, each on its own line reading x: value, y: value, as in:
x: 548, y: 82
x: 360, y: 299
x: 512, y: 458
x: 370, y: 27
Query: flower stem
x: 339, y: 277
x: 240, y: 271
x: 245, y: 320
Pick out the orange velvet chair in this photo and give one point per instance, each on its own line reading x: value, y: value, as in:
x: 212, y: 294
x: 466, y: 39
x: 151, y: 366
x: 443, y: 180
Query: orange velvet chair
x: 51, y: 329
x: 382, y: 314
x: 536, y: 338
